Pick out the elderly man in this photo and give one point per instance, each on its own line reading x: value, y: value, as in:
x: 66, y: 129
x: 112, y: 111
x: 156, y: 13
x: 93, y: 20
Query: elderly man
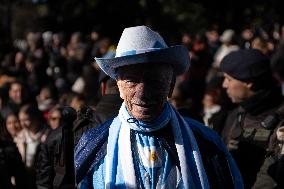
x: 149, y: 145
x: 249, y: 83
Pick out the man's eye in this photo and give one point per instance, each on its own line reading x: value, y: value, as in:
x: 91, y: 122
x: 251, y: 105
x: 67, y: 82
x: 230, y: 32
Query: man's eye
x: 130, y: 83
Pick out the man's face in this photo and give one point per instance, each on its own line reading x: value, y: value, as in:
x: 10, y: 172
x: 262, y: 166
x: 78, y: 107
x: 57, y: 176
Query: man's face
x: 237, y: 90
x: 15, y: 93
x: 145, y: 88
x: 54, y: 119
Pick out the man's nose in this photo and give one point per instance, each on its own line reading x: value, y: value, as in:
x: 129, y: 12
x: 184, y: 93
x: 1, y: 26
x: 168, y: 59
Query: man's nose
x: 143, y: 90
x: 225, y: 84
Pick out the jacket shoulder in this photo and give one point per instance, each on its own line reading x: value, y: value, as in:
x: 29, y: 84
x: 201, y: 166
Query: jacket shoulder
x: 214, y: 155
x: 203, y: 131
x: 90, y: 149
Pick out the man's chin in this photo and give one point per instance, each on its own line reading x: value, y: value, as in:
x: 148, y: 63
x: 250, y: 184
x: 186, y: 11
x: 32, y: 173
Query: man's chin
x: 144, y: 117
x: 146, y: 114
x: 236, y: 100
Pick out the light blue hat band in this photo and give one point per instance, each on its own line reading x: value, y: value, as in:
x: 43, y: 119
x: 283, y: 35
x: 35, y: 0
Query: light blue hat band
x: 134, y: 52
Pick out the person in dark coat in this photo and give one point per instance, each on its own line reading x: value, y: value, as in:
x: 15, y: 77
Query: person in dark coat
x: 55, y: 162
x: 54, y: 169
x: 271, y: 173
x: 12, y: 169
x: 249, y: 83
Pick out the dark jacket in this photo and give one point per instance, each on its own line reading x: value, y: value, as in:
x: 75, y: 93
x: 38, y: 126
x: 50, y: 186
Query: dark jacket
x: 51, y: 165
x: 45, y: 169
x: 217, y: 121
x: 271, y: 173
x: 55, y: 165
x: 53, y: 171
x: 244, y: 135
x: 87, y: 118
x: 11, y: 165
x: 276, y: 171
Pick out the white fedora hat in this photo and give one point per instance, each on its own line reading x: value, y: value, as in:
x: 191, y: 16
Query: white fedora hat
x: 141, y: 45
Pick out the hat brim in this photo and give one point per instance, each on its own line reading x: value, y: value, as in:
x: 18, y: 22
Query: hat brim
x: 177, y: 56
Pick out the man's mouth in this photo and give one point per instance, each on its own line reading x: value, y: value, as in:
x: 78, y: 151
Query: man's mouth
x: 143, y: 105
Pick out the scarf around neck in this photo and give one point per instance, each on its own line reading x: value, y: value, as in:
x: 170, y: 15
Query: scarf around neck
x: 120, y: 169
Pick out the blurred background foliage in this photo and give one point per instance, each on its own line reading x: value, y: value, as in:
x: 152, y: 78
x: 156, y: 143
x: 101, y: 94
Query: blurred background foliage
x: 17, y: 17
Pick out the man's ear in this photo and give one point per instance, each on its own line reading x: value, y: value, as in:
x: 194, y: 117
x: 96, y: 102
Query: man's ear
x: 172, y: 86
x: 118, y: 82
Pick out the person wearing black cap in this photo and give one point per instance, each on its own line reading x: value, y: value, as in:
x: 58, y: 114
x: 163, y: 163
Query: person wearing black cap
x: 249, y: 83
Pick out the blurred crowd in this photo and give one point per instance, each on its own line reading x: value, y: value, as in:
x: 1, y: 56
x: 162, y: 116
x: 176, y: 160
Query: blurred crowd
x: 47, y: 71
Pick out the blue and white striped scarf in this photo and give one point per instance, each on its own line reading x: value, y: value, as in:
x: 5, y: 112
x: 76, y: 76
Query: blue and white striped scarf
x: 119, y: 161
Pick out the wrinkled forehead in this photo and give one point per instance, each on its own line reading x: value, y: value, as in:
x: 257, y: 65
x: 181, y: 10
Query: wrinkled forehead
x: 145, y: 70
